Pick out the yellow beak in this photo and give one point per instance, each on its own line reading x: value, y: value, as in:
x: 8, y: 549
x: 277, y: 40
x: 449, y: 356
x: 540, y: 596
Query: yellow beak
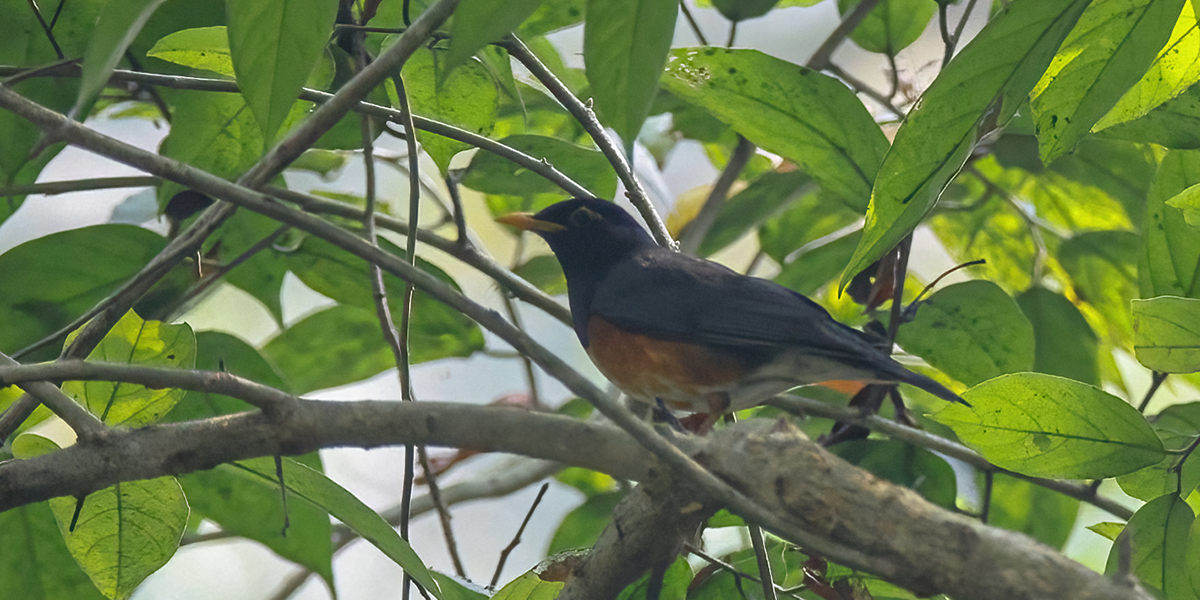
x: 525, y: 221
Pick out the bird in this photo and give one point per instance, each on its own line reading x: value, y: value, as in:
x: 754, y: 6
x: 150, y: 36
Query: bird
x: 691, y: 334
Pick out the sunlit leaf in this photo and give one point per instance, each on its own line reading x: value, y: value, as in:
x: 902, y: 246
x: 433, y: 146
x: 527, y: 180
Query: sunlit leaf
x: 1166, y: 334
x: 1171, y: 248
x: 982, y: 86
x: 1045, y: 426
x: 136, y: 342
x: 1176, y: 68
x: 1103, y: 270
x: 1173, y: 124
x: 1104, y: 55
x: 205, y: 48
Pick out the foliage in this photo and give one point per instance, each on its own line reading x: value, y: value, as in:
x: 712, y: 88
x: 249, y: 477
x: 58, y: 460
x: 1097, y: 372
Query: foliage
x: 1059, y: 144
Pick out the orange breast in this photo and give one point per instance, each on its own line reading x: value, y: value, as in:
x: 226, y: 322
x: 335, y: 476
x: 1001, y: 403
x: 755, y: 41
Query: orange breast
x: 683, y: 375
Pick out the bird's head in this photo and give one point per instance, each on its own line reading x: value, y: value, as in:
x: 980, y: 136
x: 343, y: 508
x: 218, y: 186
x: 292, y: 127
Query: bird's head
x: 584, y: 233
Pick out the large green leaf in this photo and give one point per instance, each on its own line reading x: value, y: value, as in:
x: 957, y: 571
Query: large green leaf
x: 205, y: 48
x: 625, y: 44
x: 814, y: 215
x: 1166, y: 334
x: 1177, y: 426
x: 314, y: 487
x: 210, y: 131
x: 1171, y: 248
x: 118, y: 25
x: 1158, y: 534
x: 1174, y: 124
x: 809, y: 271
x: 1065, y: 344
x: 581, y: 527
x: 993, y: 231
x: 468, y: 98
x: 491, y: 174
x: 1174, y: 70
x: 125, y: 532
x: 136, y: 342
x: 34, y: 563
x: 798, y: 113
x: 971, y: 331
x: 53, y: 279
x: 981, y: 87
x: 217, y: 351
x: 1107, y: 52
x: 1046, y: 426
x: 1121, y: 169
x: 274, y: 45
x: 333, y: 347
x: 479, y: 22
x: 1044, y: 514
x: 892, y: 25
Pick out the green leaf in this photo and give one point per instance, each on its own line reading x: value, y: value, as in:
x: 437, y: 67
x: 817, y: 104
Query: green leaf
x: 765, y: 197
x: 815, y: 215
x: 892, y: 25
x: 986, y: 232
x: 552, y: 16
x: 478, y: 23
x: 51, y: 280
x: 34, y: 563
x: 1174, y: 70
x: 1107, y: 529
x: 125, y: 532
x: 1019, y: 505
x: 204, y: 48
x: 453, y: 590
x: 261, y: 275
x: 1158, y: 533
x: 1123, y: 170
x: 1162, y: 478
x: 971, y: 331
x: 740, y: 10
x: 1065, y: 344
x: 274, y: 45
x: 795, y: 112
x: 530, y: 586
x: 492, y: 174
x: 332, y: 347
x: 135, y: 342
x: 1171, y: 248
x: 903, y: 464
x: 625, y: 44
x: 1166, y: 334
x: 1103, y: 270
x: 1108, y: 51
x: 812, y: 269
x: 210, y: 131
x: 582, y: 526
x: 312, y: 486
x: 1188, y: 203
x: 119, y: 24
x: 981, y: 87
x: 1173, y: 124
x: 674, y: 584
x: 1045, y: 426
x: 468, y: 98
x: 247, y: 504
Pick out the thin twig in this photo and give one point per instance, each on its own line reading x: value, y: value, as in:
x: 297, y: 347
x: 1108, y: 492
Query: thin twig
x: 50, y: 188
x: 587, y: 118
x: 687, y: 14
x: 46, y: 28
x: 443, y: 512
x: 216, y: 275
x: 764, y: 561
x: 954, y: 39
x: 821, y: 58
x: 517, y: 538
x: 1156, y: 380
x: 898, y: 276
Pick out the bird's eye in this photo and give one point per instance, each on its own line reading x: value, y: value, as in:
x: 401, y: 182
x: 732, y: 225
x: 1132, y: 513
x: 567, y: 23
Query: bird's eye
x: 584, y: 216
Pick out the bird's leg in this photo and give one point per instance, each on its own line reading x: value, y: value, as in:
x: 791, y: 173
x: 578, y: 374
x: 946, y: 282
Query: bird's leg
x: 662, y: 414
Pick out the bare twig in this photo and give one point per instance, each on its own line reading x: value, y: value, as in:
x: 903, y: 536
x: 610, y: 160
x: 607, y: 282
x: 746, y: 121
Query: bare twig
x: 697, y: 229
x: 764, y: 562
x: 517, y: 538
x: 821, y: 58
x: 687, y: 14
x: 84, y: 423
x: 51, y: 188
x: 1156, y: 380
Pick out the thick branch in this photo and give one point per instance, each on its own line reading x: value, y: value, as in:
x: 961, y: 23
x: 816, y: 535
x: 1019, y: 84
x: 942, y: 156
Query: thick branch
x: 900, y: 536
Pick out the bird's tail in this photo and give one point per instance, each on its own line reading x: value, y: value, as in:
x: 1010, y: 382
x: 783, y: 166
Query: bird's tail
x: 929, y: 385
